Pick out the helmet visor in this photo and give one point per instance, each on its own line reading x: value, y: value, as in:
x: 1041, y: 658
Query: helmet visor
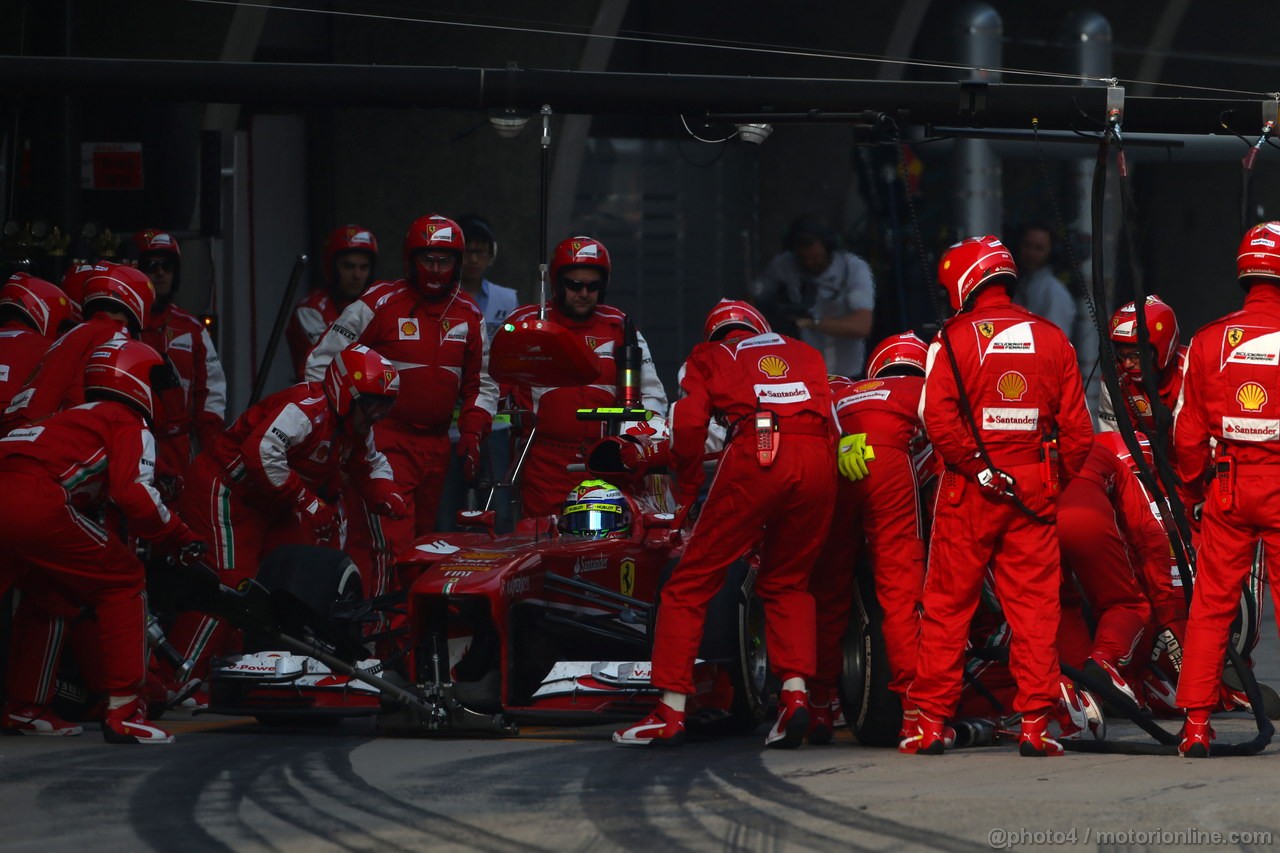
x: 593, y: 520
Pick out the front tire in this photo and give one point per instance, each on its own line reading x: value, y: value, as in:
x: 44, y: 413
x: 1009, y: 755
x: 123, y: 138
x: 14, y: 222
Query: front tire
x: 872, y: 711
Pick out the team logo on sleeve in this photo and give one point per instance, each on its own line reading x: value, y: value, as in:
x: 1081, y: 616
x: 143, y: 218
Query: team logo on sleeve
x: 1005, y: 337
x: 457, y: 332
x: 987, y: 329
x: 1251, y: 396
x: 1012, y: 386
x: 409, y: 330
x: 773, y: 366
x: 1234, y: 336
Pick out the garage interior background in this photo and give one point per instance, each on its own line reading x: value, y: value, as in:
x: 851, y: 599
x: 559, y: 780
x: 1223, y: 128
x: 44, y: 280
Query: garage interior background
x: 686, y: 222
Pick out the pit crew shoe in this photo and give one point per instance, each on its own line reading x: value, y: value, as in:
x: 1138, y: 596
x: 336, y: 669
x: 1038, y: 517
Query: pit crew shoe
x: 128, y: 724
x: 924, y: 736
x: 37, y: 720
x: 822, y: 711
x: 1235, y: 699
x: 1106, y: 671
x: 1034, y: 741
x: 1078, y: 713
x: 1197, y: 734
x: 1161, y: 695
x: 793, y: 720
x: 664, y: 727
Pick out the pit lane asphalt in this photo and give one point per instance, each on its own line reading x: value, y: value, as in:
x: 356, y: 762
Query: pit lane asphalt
x: 229, y: 784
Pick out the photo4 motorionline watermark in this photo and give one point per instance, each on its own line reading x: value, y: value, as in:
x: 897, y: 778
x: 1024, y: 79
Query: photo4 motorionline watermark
x: 1006, y: 838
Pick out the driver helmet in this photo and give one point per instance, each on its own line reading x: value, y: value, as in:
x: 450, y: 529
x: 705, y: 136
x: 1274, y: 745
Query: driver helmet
x: 595, y: 509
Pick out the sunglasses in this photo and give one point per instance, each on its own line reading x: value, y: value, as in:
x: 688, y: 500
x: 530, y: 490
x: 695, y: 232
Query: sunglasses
x: 158, y: 264
x: 578, y: 286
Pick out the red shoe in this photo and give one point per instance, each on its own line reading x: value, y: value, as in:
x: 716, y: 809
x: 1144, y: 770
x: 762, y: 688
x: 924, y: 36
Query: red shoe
x: 664, y: 727
x: 793, y: 720
x: 1078, y: 713
x: 36, y: 720
x: 1110, y: 673
x: 128, y: 724
x: 822, y: 711
x: 1197, y: 734
x: 923, y: 735
x: 1034, y: 741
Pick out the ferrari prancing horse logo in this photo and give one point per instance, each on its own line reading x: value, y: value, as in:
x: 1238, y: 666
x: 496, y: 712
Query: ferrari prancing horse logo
x: 987, y: 329
x: 1234, y: 336
x: 627, y: 579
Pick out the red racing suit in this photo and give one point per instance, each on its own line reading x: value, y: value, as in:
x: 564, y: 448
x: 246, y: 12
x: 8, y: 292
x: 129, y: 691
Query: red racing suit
x: 58, y: 382
x: 1020, y: 377
x: 21, y: 349
x: 311, y: 319
x: 882, y: 512
x: 246, y: 489
x: 788, y: 502
x: 1231, y: 395
x: 1112, y: 542
x: 561, y: 439
x: 440, y: 349
x: 59, y: 477
x: 199, y: 403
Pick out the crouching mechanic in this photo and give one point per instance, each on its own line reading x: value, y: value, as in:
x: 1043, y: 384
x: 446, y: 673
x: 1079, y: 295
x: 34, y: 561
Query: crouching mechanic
x: 999, y: 382
x: 275, y: 476
x: 1228, y: 417
x: 877, y: 505
x: 775, y: 480
x: 59, y: 477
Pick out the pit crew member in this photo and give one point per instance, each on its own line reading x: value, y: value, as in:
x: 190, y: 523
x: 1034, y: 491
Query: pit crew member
x: 1000, y: 381
x: 350, y: 257
x: 33, y: 313
x: 775, y: 480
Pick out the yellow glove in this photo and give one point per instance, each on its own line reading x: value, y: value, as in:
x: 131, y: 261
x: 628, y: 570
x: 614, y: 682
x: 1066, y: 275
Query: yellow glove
x: 854, y: 455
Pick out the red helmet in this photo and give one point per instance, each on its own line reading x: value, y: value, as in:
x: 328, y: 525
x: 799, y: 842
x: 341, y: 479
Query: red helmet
x: 903, y: 354
x: 1162, y: 328
x: 437, y: 233
x: 356, y: 372
x: 125, y: 288
x: 1259, y: 255
x: 152, y: 241
x: 43, y: 304
x: 127, y: 371
x: 1114, y: 442
x: 730, y: 314
x: 73, y: 283
x: 579, y: 252
x: 970, y: 264
x: 349, y: 238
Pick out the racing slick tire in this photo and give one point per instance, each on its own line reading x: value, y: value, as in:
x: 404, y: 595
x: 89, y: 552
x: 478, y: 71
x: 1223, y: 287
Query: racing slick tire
x: 872, y: 711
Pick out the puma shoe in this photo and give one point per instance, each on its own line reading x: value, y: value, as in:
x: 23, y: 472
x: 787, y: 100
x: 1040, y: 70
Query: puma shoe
x: 1107, y: 672
x: 793, y: 720
x: 37, y: 720
x: 1078, y: 713
x: 1197, y: 734
x: 822, y: 711
x: 1034, y: 740
x: 1161, y: 695
x: 128, y: 724
x: 1234, y: 697
x: 926, y: 736
x: 663, y: 727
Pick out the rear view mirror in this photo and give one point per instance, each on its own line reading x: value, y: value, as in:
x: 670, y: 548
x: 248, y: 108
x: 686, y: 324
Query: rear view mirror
x: 477, y: 518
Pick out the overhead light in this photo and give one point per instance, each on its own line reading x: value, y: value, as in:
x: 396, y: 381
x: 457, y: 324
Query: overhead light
x: 756, y: 134
x: 508, y: 122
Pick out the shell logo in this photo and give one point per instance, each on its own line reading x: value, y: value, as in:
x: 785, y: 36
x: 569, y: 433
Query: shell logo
x: 773, y: 366
x: 357, y: 376
x: 1142, y: 406
x: 1012, y: 385
x: 1251, y: 396
x: 408, y: 328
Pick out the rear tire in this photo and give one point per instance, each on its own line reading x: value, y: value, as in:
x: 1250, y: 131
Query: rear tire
x: 872, y: 711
